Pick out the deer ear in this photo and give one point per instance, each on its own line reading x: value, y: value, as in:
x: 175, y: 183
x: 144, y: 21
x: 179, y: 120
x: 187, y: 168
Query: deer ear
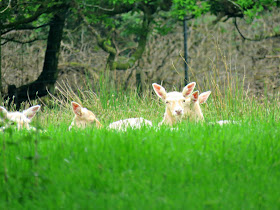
x: 188, y: 89
x: 204, y: 96
x: 77, y: 108
x: 195, y: 96
x: 160, y: 91
x: 31, y: 112
x: 3, y: 112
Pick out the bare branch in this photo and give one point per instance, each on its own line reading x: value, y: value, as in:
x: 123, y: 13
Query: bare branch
x: 25, y: 27
x: 254, y: 40
x: 9, y: 6
x: 266, y: 57
x: 19, y: 42
x: 237, y: 5
x: 272, y: 56
x: 118, y: 50
x: 101, y: 8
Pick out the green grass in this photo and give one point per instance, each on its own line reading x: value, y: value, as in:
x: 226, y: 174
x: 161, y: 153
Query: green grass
x: 197, y: 166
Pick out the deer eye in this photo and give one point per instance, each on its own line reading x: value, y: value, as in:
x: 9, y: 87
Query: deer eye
x: 184, y: 101
x: 167, y: 102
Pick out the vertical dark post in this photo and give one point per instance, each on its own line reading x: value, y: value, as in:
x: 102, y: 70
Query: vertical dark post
x: 186, y: 50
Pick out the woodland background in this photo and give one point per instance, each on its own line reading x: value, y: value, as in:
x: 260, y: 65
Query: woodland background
x: 99, y: 42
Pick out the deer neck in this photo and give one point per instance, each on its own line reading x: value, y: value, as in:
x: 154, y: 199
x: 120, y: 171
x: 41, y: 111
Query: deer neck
x: 168, y: 118
x: 198, y: 113
x: 79, y: 122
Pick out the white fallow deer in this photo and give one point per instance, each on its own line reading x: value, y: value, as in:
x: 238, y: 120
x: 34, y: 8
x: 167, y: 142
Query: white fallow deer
x: 175, y: 102
x: 21, y: 119
x: 134, y: 123
x: 83, y: 117
x: 192, y: 110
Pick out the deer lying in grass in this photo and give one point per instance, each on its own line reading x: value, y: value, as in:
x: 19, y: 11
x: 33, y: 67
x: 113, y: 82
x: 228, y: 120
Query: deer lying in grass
x: 193, y: 110
x: 83, y: 117
x: 176, y: 102
x: 122, y: 125
x: 22, y: 119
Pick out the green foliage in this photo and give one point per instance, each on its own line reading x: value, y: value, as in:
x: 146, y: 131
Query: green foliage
x: 24, y: 10
x: 276, y: 29
x: 129, y: 24
x: 105, y: 12
x: 165, y: 23
x: 197, y: 166
x: 183, y: 8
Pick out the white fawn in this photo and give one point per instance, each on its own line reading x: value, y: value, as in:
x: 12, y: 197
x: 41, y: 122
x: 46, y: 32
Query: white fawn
x: 193, y: 110
x: 192, y: 107
x: 176, y: 102
x: 122, y: 125
x: 22, y: 119
x: 83, y: 117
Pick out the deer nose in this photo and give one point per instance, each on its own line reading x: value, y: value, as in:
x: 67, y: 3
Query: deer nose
x: 178, y: 112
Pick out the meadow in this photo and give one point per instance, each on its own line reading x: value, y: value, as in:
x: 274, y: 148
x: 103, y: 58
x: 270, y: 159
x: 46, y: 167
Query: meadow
x: 195, y: 166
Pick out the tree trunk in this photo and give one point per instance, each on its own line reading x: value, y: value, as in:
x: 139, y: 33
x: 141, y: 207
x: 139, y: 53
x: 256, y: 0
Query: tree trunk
x: 1, y: 61
x: 48, y: 77
x: 0, y: 66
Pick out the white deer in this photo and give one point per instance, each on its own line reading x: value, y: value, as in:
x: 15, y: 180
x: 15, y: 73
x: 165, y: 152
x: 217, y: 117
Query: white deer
x: 176, y: 102
x: 193, y: 110
x: 83, y: 117
x: 134, y: 123
x: 22, y: 119
x: 192, y: 107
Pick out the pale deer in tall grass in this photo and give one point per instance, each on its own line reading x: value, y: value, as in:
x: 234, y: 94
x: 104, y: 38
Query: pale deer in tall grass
x: 21, y: 119
x: 134, y: 123
x: 175, y: 102
x: 192, y: 109
x: 83, y: 117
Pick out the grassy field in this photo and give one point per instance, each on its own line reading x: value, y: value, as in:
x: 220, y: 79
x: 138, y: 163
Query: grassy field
x: 197, y: 166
